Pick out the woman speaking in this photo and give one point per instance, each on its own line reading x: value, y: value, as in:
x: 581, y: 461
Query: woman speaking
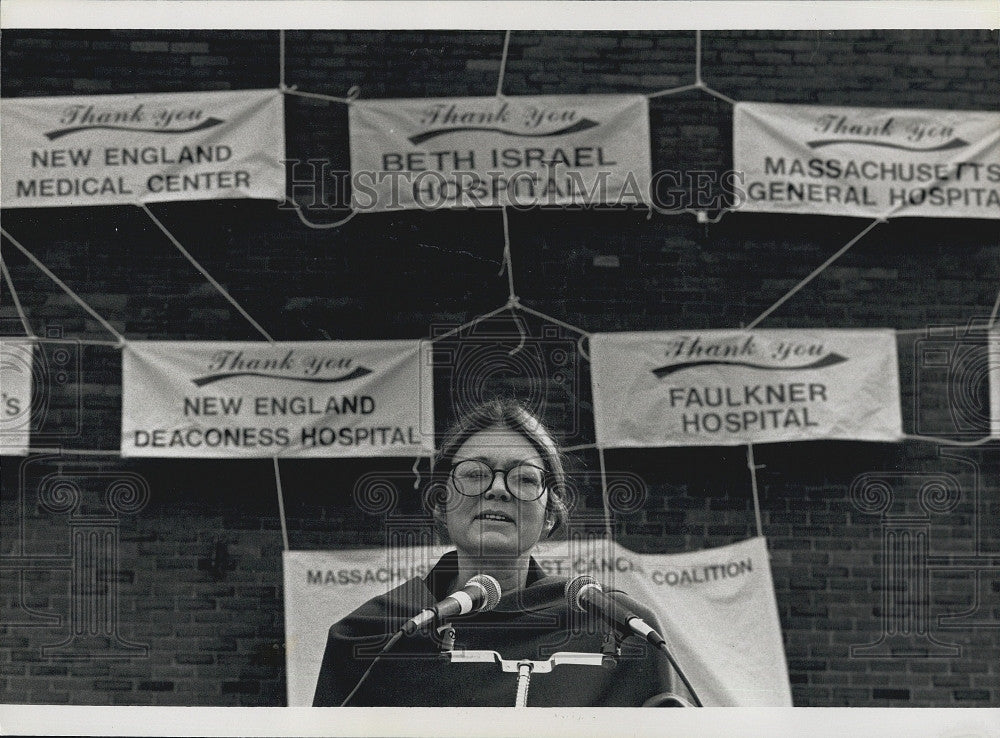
x: 504, y: 494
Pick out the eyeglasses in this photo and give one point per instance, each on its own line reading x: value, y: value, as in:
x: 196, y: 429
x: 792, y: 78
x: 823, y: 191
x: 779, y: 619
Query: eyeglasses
x: 472, y: 478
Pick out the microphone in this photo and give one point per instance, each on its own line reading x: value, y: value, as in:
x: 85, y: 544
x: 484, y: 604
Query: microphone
x: 585, y: 593
x: 480, y: 593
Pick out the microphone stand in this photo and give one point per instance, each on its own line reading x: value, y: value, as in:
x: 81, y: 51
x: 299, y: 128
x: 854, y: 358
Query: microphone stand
x: 611, y: 647
x: 446, y: 638
x: 523, y: 682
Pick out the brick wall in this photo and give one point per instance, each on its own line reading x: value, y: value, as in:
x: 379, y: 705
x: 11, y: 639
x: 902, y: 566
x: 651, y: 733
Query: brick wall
x: 199, y: 581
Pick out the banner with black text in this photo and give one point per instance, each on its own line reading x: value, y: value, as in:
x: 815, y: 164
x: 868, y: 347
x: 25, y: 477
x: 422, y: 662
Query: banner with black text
x: 126, y: 149
x: 867, y: 162
x: 716, y: 608
x: 489, y: 151
x: 215, y: 399
x: 724, y: 388
x: 17, y: 367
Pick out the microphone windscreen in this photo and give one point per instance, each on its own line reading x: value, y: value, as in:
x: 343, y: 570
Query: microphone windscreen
x: 575, y: 586
x: 491, y: 587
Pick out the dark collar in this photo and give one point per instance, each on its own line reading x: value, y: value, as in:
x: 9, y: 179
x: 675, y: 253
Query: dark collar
x: 441, y: 580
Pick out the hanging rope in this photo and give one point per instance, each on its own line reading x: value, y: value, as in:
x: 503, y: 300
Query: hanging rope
x: 281, y: 502
x: 608, y: 529
x: 699, y: 83
x: 673, y: 91
x: 716, y: 94
x: 27, y: 326
x: 949, y: 441
x: 539, y: 314
x: 753, y: 467
x: 76, y: 451
x: 503, y: 63
x: 697, y: 58
x: 815, y: 273
x: 318, y: 226
x: 205, y: 274
x: 697, y: 73
x: 79, y: 341
x: 352, y: 95
x: 281, y: 60
x: 931, y: 331
x: 65, y: 288
x: 14, y: 298
x: 507, y: 266
x: 511, y: 295
x: 470, y: 323
x: 515, y: 304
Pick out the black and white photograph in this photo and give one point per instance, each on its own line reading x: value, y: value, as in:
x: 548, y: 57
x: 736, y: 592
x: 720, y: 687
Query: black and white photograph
x: 357, y: 358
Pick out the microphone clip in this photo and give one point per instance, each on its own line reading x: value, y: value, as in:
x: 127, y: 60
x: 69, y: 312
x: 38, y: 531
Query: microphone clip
x: 446, y: 639
x: 611, y: 647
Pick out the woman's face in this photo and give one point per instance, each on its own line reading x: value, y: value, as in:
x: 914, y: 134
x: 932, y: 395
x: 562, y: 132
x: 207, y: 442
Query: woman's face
x: 496, y: 523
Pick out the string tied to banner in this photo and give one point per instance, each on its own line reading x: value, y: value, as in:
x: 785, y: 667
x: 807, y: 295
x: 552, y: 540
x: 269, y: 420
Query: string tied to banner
x: 26, y: 324
x: 204, y: 272
x: 815, y: 273
x: 753, y: 466
x: 119, y: 338
x: 352, y: 93
x: 14, y: 298
x: 503, y: 63
x: 281, y: 503
x: 699, y: 82
x: 950, y: 441
x: 506, y: 265
x: 701, y: 216
x: 318, y: 226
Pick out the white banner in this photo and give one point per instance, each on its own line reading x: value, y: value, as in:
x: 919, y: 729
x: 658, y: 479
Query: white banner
x: 253, y: 399
x: 125, y: 149
x: 724, y: 388
x: 719, y: 612
x: 489, y: 151
x: 321, y: 587
x: 993, y: 362
x: 716, y: 608
x: 867, y: 162
x: 16, y: 371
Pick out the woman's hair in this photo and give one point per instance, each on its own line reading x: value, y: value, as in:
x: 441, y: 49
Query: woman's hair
x: 510, y: 415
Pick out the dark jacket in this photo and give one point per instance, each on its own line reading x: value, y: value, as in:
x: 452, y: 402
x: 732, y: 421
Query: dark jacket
x: 531, y: 623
